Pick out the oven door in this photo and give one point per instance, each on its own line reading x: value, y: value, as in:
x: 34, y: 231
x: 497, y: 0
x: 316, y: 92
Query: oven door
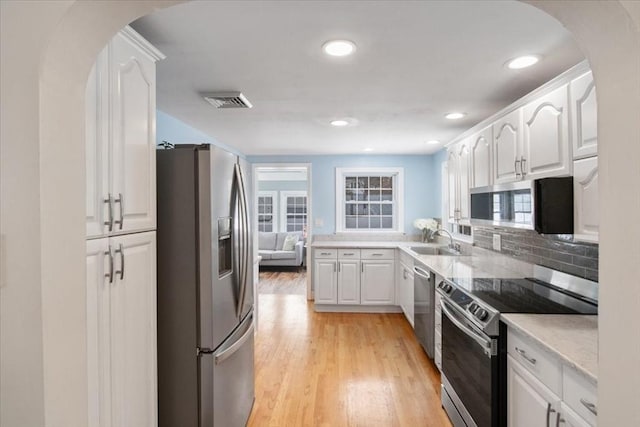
x: 470, y: 369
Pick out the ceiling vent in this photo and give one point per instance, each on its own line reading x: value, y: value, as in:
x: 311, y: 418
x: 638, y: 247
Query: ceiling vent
x: 227, y: 100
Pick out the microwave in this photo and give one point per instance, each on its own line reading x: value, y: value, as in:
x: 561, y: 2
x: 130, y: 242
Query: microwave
x: 544, y: 205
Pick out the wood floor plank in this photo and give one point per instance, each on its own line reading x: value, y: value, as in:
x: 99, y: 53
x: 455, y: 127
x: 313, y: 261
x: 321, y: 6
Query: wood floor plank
x: 340, y: 369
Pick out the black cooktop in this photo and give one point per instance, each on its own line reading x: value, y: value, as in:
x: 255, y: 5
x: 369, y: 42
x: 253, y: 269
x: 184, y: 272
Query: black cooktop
x: 526, y: 296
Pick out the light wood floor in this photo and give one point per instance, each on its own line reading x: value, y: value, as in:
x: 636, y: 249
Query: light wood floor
x: 335, y: 369
x: 286, y: 282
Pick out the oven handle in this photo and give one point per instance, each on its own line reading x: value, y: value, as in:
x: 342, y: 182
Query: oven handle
x: 485, y: 343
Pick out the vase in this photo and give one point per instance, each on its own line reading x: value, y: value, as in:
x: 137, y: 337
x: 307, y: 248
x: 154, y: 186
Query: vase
x: 426, y: 236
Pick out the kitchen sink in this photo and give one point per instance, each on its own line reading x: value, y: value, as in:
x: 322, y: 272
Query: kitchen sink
x: 431, y: 250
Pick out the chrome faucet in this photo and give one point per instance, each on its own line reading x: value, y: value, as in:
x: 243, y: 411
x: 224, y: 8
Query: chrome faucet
x: 455, y: 247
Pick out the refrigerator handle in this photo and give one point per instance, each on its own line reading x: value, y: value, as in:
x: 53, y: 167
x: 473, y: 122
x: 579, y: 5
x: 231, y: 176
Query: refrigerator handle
x: 228, y: 352
x: 243, y: 238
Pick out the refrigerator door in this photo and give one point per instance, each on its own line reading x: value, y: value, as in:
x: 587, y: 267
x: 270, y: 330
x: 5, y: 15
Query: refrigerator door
x: 218, y: 287
x: 248, y: 297
x: 226, y: 380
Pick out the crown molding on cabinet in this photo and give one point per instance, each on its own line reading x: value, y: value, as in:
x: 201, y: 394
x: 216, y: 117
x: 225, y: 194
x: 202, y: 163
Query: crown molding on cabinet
x: 141, y: 43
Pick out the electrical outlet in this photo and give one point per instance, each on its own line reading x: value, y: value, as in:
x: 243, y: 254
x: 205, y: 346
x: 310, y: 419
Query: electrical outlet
x: 319, y: 222
x: 497, y: 244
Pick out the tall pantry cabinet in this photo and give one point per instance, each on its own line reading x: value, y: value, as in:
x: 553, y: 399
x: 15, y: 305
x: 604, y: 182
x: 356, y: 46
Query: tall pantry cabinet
x: 121, y: 238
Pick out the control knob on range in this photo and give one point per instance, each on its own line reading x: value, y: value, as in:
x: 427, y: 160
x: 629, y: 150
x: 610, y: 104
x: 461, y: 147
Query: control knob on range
x: 473, y: 307
x: 447, y: 287
x: 481, y: 314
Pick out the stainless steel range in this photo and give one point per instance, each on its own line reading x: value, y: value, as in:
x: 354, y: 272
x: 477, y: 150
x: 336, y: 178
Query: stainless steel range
x: 474, y: 341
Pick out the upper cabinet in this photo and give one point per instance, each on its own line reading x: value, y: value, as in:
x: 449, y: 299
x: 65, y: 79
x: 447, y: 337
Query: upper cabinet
x: 584, y: 116
x: 120, y: 137
x: 458, y: 170
x: 545, y: 137
x: 480, y: 152
x: 507, y: 133
x: 585, y: 193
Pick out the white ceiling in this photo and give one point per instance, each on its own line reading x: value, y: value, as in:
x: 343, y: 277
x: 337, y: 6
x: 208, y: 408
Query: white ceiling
x: 415, y: 61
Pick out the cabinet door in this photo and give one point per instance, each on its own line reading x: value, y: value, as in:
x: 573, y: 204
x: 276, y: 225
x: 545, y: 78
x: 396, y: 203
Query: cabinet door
x: 584, y: 116
x: 585, y: 193
x: 133, y: 103
x: 463, y: 183
x: 96, y: 143
x: 529, y: 402
x: 506, y: 147
x: 452, y: 173
x: 377, y: 286
x: 480, y: 149
x: 325, y: 283
x: 568, y: 418
x: 546, y: 136
x: 133, y: 331
x: 349, y: 282
x: 98, y: 332
x: 409, y: 311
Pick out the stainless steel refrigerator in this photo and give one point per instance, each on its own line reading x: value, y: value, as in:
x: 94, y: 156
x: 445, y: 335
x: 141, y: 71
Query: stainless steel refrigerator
x: 205, y: 292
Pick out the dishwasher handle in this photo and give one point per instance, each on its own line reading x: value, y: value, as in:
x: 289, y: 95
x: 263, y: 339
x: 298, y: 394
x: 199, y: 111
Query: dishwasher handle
x: 420, y: 272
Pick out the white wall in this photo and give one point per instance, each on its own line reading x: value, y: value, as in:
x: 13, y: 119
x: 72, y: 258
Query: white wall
x: 50, y: 194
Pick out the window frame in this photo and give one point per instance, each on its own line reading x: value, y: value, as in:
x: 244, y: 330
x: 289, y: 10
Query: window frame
x: 283, y: 207
x: 274, y: 209
x: 397, y: 198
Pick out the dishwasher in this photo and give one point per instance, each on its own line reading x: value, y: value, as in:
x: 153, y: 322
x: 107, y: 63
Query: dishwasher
x: 424, y: 306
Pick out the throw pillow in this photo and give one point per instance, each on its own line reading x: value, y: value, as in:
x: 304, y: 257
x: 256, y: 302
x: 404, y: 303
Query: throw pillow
x: 290, y: 242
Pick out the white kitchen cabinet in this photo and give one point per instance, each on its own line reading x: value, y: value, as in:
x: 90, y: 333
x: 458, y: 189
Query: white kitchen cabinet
x: 121, y: 330
x: 529, y: 402
x: 404, y: 287
x: 377, y: 284
x: 459, y: 183
x: 568, y: 418
x: 585, y: 193
x: 507, y: 145
x: 584, y: 116
x: 325, y: 281
x: 545, y: 138
x: 480, y: 154
x: 120, y: 137
x: 348, y: 281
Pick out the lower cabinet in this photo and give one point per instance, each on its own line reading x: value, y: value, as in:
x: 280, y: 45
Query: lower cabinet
x: 404, y: 291
x: 543, y: 391
x: 354, y: 277
x: 121, y: 330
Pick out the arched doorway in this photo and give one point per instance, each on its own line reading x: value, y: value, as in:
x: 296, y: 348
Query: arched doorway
x: 607, y: 31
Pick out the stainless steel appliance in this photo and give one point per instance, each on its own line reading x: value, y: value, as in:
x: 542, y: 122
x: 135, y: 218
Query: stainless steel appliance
x: 424, y: 310
x: 474, y: 340
x: 205, y: 296
x: 544, y: 205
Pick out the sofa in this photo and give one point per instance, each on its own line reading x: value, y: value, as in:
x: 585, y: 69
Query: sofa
x: 270, y: 248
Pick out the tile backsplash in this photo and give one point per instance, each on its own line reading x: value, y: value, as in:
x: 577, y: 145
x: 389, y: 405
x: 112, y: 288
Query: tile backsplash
x: 557, y: 252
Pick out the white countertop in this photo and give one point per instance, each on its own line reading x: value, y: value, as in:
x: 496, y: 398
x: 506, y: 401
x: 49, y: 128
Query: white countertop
x: 572, y: 338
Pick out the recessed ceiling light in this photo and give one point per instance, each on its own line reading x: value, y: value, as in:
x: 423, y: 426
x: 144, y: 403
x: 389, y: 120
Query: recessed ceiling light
x: 339, y: 47
x: 368, y: 149
x: 454, y: 116
x: 523, y: 62
x: 433, y: 142
x: 339, y: 123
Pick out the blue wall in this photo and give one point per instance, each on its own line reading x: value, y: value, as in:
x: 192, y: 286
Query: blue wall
x: 282, y: 185
x: 437, y: 160
x: 421, y: 184
x: 175, y: 131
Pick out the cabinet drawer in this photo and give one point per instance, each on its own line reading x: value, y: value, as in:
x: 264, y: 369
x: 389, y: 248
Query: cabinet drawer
x: 535, y: 359
x: 325, y: 253
x: 580, y: 394
x: 405, y: 258
x: 377, y: 253
x: 349, y: 253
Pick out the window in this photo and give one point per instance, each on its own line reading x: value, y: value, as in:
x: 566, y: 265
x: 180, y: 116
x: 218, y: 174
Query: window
x: 293, y: 210
x: 369, y: 199
x: 266, y: 215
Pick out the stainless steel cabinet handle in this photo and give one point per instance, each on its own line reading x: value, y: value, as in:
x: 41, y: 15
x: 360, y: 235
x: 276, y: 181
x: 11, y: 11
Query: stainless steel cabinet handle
x: 590, y: 406
x: 362, y: 267
x: 109, y: 275
x: 120, y: 251
x: 516, y: 163
x: 523, y: 161
x: 559, y: 419
x: 404, y: 273
x: 524, y: 355
x: 348, y: 254
x: 325, y: 253
x: 109, y: 202
x: 121, y: 220
x: 334, y: 267
x: 377, y: 254
x: 549, y: 412
x: 339, y: 267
